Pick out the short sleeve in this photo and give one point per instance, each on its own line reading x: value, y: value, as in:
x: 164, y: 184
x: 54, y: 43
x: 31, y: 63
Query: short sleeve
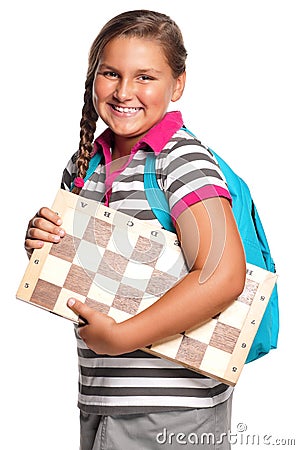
x: 188, y: 173
x: 69, y: 173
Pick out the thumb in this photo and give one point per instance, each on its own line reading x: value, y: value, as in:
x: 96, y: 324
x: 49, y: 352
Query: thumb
x: 79, y: 308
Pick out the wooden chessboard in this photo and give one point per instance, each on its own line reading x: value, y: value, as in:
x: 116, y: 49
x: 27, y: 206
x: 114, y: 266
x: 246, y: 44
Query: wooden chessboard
x: 120, y: 265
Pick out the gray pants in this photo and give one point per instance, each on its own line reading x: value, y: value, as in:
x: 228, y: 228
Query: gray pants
x: 205, y: 428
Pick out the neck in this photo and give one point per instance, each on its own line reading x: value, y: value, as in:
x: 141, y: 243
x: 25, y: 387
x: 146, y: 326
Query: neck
x: 123, y: 146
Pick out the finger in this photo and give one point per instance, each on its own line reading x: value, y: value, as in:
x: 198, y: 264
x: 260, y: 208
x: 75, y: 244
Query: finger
x: 79, y: 308
x: 50, y: 215
x: 42, y: 229
x: 32, y: 244
x: 39, y: 225
x: 43, y: 218
x: 35, y: 238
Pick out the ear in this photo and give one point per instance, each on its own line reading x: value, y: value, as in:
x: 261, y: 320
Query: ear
x: 179, y: 87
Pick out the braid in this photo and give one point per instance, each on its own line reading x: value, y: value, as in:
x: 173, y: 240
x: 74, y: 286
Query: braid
x: 88, y: 127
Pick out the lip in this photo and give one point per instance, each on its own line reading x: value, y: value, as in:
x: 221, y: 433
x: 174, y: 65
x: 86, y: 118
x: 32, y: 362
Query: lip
x: 124, y: 111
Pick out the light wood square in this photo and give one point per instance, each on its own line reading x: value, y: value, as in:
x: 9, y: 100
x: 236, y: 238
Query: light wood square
x: 215, y: 361
x: 55, y: 270
x: 168, y: 347
x: 203, y: 333
x: 235, y: 314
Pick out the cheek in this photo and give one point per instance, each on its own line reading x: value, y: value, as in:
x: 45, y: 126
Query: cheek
x: 153, y: 96
x: 100, y: 91
x: 95, y: 95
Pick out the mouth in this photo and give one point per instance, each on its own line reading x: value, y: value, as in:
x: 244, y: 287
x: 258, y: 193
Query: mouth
x: 125, y: 110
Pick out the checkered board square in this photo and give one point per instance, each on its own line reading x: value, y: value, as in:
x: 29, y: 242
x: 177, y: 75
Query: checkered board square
x: 120, y: 265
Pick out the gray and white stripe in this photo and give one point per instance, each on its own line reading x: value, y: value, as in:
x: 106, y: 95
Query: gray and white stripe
x: 139, y: 382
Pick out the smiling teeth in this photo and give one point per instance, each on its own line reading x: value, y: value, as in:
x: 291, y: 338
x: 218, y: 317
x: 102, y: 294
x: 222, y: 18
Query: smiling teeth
x: 125, y: 110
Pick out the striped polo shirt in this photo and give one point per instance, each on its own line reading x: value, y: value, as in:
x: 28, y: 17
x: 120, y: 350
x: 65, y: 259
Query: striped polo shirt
x: 186, y: 171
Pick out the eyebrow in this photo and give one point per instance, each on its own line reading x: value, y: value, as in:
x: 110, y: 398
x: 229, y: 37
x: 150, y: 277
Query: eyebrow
x: 113, y: 69
x: 150, y: 69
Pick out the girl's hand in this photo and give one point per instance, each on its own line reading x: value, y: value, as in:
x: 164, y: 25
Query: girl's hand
x: 45, y: 226
x: 101, y: 332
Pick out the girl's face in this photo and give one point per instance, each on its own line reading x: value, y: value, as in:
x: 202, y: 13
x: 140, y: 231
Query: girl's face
x: 134, y: 86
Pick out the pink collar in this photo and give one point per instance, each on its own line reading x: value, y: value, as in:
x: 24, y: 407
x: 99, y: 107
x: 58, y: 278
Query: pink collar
x: 156, y: 138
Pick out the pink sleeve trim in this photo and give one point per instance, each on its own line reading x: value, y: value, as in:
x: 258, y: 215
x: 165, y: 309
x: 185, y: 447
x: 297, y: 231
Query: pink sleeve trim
x: 203, y: 193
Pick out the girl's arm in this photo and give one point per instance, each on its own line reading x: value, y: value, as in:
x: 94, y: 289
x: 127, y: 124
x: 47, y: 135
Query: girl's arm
x: 213, y: 249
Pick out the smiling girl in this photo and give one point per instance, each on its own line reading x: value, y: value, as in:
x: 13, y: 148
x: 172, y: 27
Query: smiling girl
x: 127, y: 397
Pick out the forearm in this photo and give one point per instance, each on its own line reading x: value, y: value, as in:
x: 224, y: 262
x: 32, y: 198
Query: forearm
x: 186, y: 305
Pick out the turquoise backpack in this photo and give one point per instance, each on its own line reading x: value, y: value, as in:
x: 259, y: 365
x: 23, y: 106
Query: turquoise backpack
x: 252, y: 234
x: 250, y: 228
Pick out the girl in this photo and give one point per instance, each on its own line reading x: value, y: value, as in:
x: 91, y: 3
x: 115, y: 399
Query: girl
x: 128, y: 399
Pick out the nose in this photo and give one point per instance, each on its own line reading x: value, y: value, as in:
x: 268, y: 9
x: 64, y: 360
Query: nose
x: 124, y: 90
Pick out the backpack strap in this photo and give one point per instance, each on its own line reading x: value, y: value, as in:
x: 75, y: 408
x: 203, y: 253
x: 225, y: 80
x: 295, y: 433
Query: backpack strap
x: 155, y: 196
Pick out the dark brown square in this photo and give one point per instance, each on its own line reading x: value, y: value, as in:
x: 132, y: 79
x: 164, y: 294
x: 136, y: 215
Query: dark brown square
x: 45, y: 294
x: 98, y: 306
x: 224, y: 337
x: 159, y: 283
x: 112, y: 265
x: 127, y: 299
x: 66, y: 248
x: 98, y: 232
x: 146, y: 251
x: 79, y: 280
x: 191, y: 352
x: 249, y: 292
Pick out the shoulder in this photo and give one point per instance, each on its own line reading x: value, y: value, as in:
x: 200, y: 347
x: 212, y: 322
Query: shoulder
x: 188, y: 172
x: 185, y: 153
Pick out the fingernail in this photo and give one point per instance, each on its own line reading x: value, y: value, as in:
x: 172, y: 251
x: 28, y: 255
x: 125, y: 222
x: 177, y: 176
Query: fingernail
x: 58, y: 222
x: 61, y: 233
x: 71, y: 302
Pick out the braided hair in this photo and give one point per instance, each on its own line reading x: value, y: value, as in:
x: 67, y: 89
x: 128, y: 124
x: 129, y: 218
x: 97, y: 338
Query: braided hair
x: 140, y: 24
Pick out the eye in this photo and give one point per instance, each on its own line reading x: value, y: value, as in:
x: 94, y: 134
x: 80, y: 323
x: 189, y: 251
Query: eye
x: 145, y: 78
x: 110, y: 74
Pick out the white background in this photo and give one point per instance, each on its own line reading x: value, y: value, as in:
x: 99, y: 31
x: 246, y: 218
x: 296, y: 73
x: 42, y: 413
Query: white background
x: 241, y: 99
